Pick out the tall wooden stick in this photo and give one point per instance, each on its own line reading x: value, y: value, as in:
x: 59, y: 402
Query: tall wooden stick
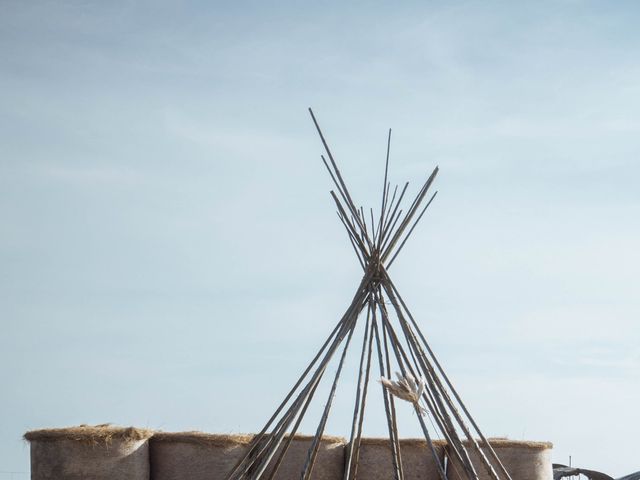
x: 376, y: 245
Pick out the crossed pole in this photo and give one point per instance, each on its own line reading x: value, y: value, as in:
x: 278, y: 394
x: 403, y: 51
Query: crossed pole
x: 377, y: 239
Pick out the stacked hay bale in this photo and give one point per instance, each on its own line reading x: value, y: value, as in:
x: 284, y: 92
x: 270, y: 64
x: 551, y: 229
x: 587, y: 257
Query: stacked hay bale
x: 195, y: 455
x: 89, y: 452
x: 200, y: 456
x: 375, y: 461
x: 106, y: 452
x: 523, y: 460
x: 329, y: 464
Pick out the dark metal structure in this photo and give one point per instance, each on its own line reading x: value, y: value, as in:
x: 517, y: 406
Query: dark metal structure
x: 563, y: 471
x: 392, y: 341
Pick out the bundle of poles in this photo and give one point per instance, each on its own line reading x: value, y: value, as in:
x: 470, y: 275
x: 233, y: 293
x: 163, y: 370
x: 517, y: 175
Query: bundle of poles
x: 391, y: 338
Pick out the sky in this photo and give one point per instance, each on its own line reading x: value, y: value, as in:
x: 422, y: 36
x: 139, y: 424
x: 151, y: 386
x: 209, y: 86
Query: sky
x: 169, y: 252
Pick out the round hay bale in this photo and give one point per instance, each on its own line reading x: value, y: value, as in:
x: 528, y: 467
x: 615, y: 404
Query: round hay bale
x: 375, y: 461
x: 195, y: 455
x: 329, y: 464
x: 523, y: 460
x: 89, y: 453
x: 200, y: 456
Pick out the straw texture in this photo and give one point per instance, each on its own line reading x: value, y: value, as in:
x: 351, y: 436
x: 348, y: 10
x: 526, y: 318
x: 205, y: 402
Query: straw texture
x: 329, y: 464
x: 417, y: 460
x: 200, y: 456
x: 89, y: 453
x: 523, y: 460
x: 195, y: 455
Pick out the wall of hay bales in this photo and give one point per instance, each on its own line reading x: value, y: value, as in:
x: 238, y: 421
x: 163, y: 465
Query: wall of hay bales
x: 107, y: 452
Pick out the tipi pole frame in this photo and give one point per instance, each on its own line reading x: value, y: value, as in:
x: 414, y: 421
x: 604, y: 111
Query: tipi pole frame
x: 376, y: 246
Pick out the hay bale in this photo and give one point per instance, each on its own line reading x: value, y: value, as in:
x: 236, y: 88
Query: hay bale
x: 375, y: 461
x: 195, y: 455
x: 523, y: 460
x: 200, y: 456
x: 329, y: 464
x: 89, y: 453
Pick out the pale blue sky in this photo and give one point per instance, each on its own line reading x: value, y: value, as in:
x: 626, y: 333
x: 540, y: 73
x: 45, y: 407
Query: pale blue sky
x: 169, y: 253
